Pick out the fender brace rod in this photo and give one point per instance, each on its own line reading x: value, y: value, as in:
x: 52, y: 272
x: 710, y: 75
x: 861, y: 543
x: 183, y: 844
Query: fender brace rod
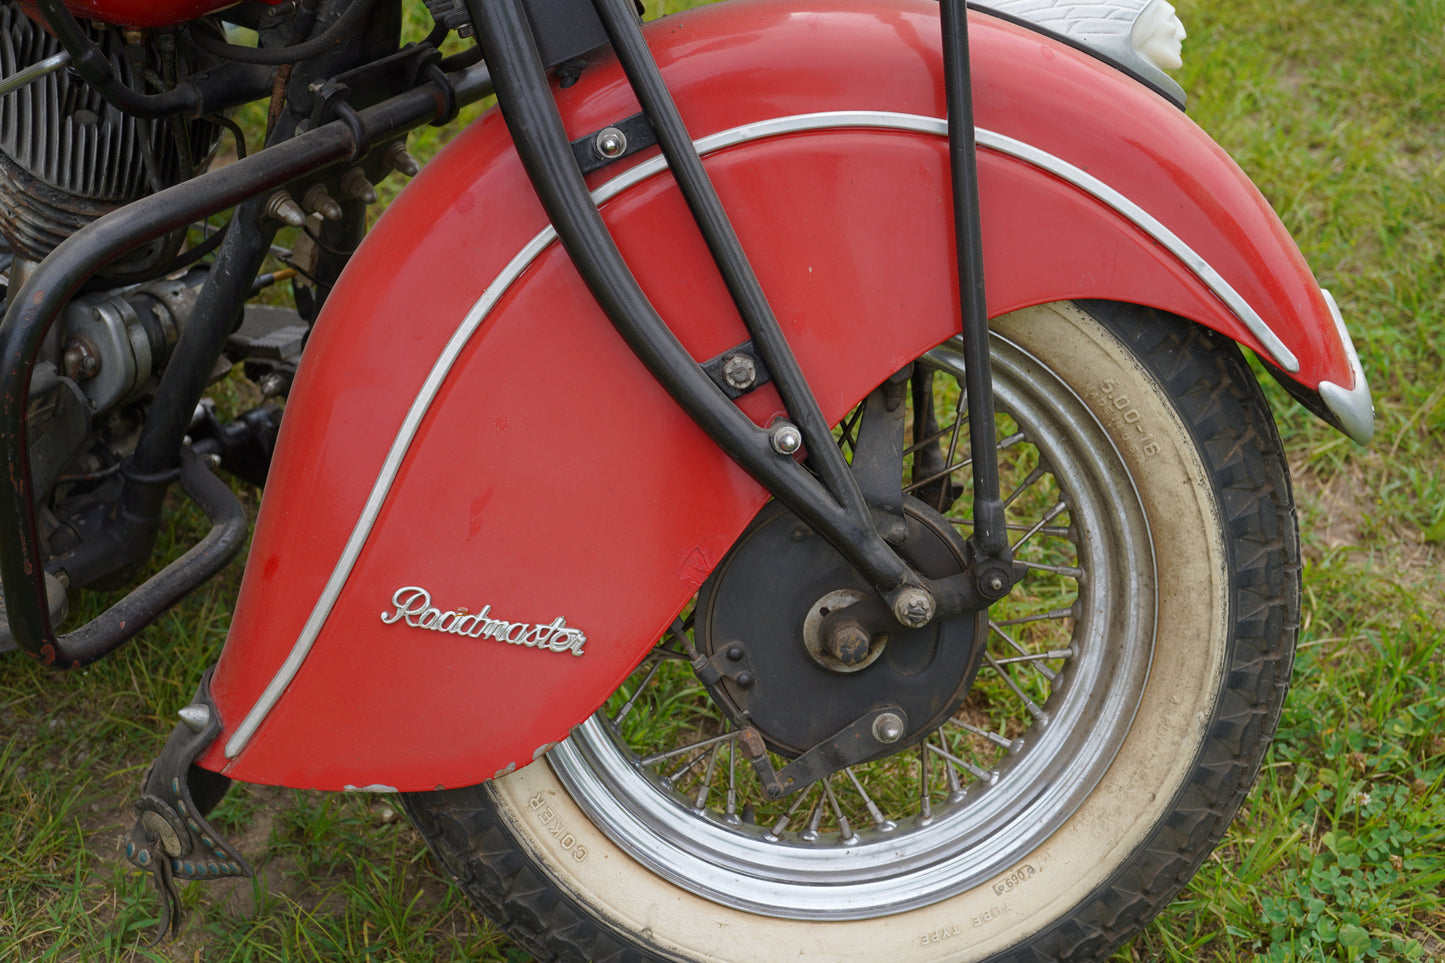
x: 833, y: 505
x: 831, y: 501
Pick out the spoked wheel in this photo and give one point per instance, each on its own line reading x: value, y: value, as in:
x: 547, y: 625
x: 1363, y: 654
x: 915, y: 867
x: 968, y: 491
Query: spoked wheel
x: 1124, y: 694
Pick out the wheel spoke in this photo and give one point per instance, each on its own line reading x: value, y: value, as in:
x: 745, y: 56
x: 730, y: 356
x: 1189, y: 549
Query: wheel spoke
x: 782, y: 823
x: 955, y: 787
x: 632, y: 700
x: 674, y: 753
x: 1068, y: 571
x: 844, y: 830
x: 815, y: 818
x: 1052, y: 654
x: 1049, y: 516
x: 880, y: 821
x: 1032, y: 479
x: 953, y: 466
x: 925, y: 809
x: 731, y: 805
x: 996, y: 738
x: 701, y: 802
x: 1029, y: 704
x: 982, y: 775
x: 1056, y: 615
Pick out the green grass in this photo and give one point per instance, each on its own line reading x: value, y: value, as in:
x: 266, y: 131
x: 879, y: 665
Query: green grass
x: 1338, y: 110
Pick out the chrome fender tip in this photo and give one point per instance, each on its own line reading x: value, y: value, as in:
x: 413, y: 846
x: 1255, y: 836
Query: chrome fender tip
x: 1353, y: 408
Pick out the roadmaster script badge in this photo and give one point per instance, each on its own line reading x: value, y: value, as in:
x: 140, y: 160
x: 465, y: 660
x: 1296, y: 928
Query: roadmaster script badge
x: 413, y: 605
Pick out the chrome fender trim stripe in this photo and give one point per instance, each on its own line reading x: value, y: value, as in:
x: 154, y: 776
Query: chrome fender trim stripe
x: 799, y: 123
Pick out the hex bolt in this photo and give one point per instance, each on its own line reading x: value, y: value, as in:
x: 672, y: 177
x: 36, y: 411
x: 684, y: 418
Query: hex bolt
x: 80, y: 360
x: 850, y: 643
x: 740, y: 372
x: 786, y: 437
x: 399, y: 159
x: 318, y: 200
x: 914, y: 608
x: 888, y: 728
x: 611, y: 143
x: 283, y: 207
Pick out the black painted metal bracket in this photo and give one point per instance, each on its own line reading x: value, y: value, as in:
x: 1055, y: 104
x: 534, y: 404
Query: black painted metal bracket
x: 613, y: 142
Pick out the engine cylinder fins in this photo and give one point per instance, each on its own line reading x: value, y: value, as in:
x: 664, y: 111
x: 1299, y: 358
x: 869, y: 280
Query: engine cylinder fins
x: 67, y: 157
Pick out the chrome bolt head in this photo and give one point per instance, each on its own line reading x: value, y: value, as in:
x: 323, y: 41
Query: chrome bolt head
x: 740, y: 372
x: 888, y: 728
x: 914, y: 608
x: 611, y: 143
x: 272, y: 384
x: 786, y: 438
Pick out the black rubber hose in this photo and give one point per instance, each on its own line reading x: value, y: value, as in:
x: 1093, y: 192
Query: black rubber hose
x: 324, y: 42
x: 95, y: 68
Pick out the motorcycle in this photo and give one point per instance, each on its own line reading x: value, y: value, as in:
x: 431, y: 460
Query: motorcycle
x: 654, y: 509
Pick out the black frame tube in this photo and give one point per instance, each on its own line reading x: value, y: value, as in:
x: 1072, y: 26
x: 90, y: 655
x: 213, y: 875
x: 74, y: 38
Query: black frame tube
x: 149, y: 600
x: 990, y: 535
x: 33, y: 309
x: 619, y: 19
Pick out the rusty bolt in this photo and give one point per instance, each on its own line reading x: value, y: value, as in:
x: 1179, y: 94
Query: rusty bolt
x: 849, y: 643
x: 318, y: 200
x: 913, y: 608
x: 399, y: 159
x: 740, y: 372
x: 283, y: 207
x: 356, y: 184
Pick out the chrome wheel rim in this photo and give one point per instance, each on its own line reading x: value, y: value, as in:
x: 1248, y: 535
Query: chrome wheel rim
x: 1054, y: 702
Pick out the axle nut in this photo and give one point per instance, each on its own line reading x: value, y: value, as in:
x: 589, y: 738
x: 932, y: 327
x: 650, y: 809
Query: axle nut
x: 850, y: 643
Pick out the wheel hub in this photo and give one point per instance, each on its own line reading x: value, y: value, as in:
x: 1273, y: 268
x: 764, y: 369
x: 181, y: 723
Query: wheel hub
x: 760, y: 618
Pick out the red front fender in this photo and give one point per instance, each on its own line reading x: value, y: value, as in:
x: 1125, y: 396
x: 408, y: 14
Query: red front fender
x: 483, y: 510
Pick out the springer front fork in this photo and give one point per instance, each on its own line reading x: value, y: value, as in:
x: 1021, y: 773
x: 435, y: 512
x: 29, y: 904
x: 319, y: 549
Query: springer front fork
x: 836, y: 499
